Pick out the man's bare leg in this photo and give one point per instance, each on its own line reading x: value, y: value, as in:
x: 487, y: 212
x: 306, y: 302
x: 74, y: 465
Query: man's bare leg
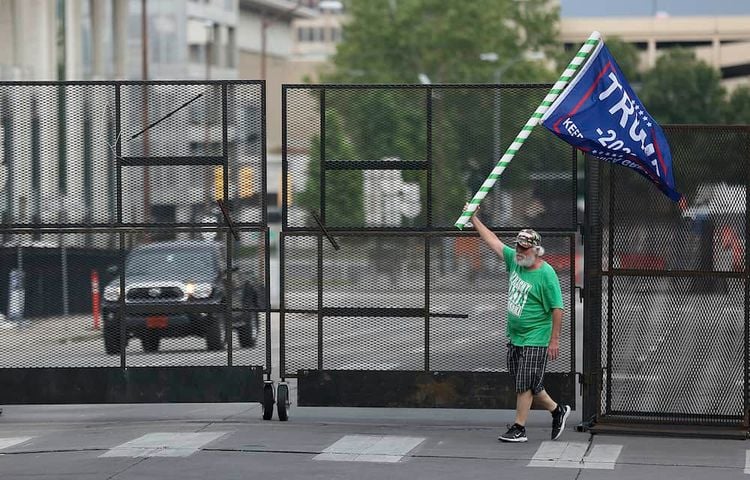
x: 545, y: 401
x: 523, y: 405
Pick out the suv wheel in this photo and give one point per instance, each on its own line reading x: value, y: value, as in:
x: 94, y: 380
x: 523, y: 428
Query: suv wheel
x: 150, y: 343
x: 248, y: 331
x: 213, y: 335
x: 111, y: 339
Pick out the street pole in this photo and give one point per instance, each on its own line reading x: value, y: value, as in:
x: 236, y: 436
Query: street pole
x: 207, y: 119
x: 6, y: 124
x: 144, y: 74
x: 62, y: 167
x: 62, y: 183
x: 498, y: 193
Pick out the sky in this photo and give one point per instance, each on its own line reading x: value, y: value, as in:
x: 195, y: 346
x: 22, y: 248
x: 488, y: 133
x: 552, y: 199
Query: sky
x: 603, y: 8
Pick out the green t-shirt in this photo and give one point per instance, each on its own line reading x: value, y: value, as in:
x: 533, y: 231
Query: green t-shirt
x: 532, y: 294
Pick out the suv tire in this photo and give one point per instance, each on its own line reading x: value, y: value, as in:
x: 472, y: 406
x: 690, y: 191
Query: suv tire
x: 248, y: 331
x: 213, y: 335
x: 111, y: 339
x: 150, y: 343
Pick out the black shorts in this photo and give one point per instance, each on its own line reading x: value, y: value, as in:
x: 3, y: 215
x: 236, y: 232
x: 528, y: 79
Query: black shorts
x: 527, y: 366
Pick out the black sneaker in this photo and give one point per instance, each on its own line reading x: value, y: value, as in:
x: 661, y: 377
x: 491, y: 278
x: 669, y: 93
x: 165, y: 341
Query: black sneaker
x: 516, y: 433
x: 558, y: 420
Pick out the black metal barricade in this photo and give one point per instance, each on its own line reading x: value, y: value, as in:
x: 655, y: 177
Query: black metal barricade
x: 134, y: 242
x: 383, y: 301
x: 666, y: 323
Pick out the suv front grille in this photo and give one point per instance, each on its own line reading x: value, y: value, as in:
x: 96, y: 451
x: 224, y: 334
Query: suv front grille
x: 155, y: 293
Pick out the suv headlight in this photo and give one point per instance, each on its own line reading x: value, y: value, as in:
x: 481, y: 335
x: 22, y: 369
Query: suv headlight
x: 199, y: 290
x: 112, y: 293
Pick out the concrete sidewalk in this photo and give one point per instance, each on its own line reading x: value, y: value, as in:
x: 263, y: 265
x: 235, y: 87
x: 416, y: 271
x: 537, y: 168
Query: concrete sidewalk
x: 227, y: 441
x: 59, y: 329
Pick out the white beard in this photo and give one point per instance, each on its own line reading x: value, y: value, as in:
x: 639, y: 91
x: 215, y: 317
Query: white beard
x: 524, y: 261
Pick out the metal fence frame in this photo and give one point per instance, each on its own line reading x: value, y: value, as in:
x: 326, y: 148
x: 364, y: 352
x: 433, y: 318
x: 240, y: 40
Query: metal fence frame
x: 598, y: 416
x: 320, y: 387
x: 125, y: 384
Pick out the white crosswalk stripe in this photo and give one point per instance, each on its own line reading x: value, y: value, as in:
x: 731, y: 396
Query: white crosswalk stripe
x: 164, y: 444
x: 573, y: 455
x: 10, y: 441
x: 369, y: 448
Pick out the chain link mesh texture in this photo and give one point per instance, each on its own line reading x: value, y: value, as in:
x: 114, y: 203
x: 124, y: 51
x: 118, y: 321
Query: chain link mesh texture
x: 68, y: 218
x: 387, y: 169
x: 674, y: 309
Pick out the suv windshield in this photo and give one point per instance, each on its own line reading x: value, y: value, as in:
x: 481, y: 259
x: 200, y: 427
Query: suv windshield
x: 186, y: 262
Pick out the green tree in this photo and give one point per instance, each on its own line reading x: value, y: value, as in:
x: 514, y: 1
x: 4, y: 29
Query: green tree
x: 627, y: 58
x: 738, y: 106
x: 682, y: 89
x: 343, y: 192
x: 392, y: 41
x: 395, y: 41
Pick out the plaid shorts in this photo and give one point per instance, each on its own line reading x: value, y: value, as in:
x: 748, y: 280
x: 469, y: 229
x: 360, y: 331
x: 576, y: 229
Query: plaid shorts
x: 527, y: 366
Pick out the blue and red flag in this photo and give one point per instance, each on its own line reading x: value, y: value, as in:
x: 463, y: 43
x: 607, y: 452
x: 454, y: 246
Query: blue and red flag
x: 601, y: 115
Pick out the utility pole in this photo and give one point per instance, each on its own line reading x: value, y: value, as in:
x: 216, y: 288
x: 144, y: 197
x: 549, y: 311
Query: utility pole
x: 62, y: 183
x: 207, y: 120
x: 144, y: 74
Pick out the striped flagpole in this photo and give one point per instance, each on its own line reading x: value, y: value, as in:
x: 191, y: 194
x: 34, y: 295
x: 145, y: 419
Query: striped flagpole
x: 552, y: 95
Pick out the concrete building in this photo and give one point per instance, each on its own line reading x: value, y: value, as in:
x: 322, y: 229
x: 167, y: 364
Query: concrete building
x: 57, y: 170
x: 265, y: 49
x: 103, y: 39
x: 723, y: 42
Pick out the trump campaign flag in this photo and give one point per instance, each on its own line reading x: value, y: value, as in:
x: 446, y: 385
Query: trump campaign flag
x: 601, y: 115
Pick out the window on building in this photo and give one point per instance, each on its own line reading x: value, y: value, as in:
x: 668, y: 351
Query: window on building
x: 306, y: 34
x: 197, y: 53
x: 320, y: 34
x: 335, y: 34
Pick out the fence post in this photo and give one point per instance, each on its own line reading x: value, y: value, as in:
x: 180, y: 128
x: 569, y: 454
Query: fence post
x: 95, y: 299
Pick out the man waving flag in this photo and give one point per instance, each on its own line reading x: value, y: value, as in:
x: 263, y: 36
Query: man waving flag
x: 600, y: 114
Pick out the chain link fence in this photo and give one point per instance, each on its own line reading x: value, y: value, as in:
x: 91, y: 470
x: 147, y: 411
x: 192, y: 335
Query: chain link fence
x: 133, y: 227
x: 674, y: 285
x: 374, y: 276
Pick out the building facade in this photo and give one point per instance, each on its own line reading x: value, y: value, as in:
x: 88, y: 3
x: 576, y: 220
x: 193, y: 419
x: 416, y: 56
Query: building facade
x: 56, y: 144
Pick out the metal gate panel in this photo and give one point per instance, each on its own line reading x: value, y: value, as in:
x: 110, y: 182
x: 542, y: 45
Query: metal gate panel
x: 375, y: 287
x: 674, y: 289
x: 152, y: 172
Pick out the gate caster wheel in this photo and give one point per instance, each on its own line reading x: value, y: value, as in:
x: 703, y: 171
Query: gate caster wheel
x: 283, y: 402
x: 268, y: 401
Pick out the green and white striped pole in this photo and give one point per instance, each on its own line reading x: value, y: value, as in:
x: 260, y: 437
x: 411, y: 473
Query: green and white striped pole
x: 556, y: 89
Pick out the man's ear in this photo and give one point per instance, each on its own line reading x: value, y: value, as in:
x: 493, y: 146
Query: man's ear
x: 540, y: 251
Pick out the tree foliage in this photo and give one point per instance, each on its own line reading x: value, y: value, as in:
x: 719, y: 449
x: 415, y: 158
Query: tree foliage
x: 682, y: 89
x: 627, y: 58
x: 393, y: 41
x: 737, y: 110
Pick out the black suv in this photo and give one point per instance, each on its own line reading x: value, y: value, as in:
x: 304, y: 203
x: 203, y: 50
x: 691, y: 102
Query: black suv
x: 178, y: 273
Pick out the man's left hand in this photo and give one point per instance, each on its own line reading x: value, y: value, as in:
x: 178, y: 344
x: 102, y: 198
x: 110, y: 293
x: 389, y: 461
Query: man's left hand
x: 554, y: 348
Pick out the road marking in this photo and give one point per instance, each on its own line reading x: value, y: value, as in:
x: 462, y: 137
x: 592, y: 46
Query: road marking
x: 602, y: 457
x: 164, y: 444
x: 369, y: 448
x: 747, y: 462
x: 10, y: 441
x: 573, y: 455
